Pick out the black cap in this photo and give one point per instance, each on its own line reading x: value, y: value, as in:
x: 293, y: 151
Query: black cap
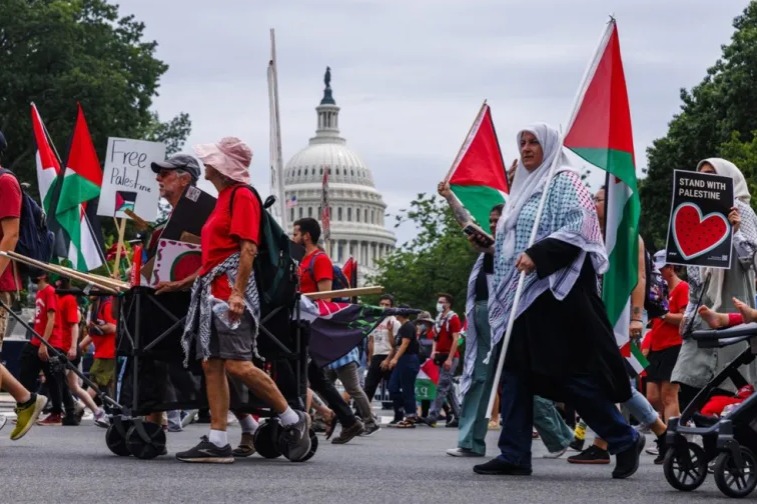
x: 179, y: 162
x: 3, y: 142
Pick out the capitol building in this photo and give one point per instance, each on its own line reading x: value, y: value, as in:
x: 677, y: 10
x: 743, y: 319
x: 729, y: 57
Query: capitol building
x: 357, y: 209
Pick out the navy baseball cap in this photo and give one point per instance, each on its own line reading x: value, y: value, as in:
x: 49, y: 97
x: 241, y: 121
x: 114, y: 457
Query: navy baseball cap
x: 179, y: 162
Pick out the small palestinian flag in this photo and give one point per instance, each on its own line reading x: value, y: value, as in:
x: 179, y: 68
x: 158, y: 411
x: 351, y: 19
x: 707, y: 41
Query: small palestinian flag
x: 125, y: 200
x: 477, y: 177
x: 426, y: 381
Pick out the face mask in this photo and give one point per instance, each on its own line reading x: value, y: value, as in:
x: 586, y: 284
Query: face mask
x: 439, y: 307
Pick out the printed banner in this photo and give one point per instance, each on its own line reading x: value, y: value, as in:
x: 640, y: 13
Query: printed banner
x: 699, y: 233
x: 128, y: 180
x: 174, y: 261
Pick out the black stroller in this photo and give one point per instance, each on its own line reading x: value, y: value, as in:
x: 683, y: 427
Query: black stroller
x: 731, y: 440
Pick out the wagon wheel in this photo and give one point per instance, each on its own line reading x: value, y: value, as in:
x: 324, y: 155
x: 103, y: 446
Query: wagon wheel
x: 732, y: 480
x: 266, y: 439
x: 685, y: 468
x: 146, y: 440
x: 115, y: 436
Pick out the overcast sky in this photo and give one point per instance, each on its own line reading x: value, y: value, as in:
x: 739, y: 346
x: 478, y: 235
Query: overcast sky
x: 410, y: 75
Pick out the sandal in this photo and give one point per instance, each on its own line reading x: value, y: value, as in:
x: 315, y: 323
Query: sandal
x: 330, y: 426
x: 407, y: 423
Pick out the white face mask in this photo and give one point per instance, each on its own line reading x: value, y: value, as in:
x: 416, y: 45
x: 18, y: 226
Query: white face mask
x: 439, y: 307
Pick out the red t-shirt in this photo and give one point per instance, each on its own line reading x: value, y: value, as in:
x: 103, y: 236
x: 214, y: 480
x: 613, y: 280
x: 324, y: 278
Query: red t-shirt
x: 46, y: 301
x: 322, y: 269
x: 105, y: 344
x: 66, y: 317
x: 10, y: 207
x: 444, y: 340
x: 664, y: 335
x: 221, y: 234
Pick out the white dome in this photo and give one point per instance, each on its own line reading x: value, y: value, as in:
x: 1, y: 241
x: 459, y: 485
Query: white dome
x: 346, y: 166
x: 357, y: 208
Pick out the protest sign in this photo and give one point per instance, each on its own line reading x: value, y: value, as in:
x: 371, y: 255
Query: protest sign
x: 175, y: 260
x: 190, y: 214
x: 699, y: 233
x: 128, y: 180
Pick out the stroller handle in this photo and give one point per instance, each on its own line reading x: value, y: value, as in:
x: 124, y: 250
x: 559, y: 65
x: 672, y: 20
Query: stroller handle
x: 740, y: 331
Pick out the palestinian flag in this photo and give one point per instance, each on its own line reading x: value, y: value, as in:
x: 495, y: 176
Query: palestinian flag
x: 426, y: 381
x: 81, y: 184
x: 48, y: 167
x: 337, y: 328
x: 600, y: 132
x: 478, y: 176
x: 125, y: 200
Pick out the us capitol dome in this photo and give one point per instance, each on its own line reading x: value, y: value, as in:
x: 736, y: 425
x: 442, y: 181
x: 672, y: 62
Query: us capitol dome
x: 357, y: 208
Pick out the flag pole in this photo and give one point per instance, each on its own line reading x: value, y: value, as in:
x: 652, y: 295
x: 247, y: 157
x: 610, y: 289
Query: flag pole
x: 276, y: 151
x: 537, y: 220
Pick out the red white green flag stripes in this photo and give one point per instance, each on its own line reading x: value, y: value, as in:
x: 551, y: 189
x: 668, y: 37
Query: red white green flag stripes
x: 477, y: 177
x: 600, y: 132
x: 81, y: 183
x: 48, y: 167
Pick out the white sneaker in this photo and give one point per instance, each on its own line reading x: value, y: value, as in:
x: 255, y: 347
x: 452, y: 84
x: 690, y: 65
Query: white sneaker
x: 652, y: 450
x: 101, y: 419
x: 462, y: 452
x: 555, y: 455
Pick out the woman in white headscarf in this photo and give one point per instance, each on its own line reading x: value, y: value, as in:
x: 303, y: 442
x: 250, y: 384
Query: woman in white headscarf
x: 562, y: 345
x: 697, y: 366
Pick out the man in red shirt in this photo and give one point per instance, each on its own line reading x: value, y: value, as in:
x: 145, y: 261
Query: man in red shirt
x: 445, y: 354
x: 35, y: 356
x: 224, y: 313
x: 28, y: 404
x: 102, y: 333
x: 316, y: 274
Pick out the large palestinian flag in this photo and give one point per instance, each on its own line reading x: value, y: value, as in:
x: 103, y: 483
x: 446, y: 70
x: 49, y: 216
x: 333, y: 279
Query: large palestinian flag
x: 600, y: 132
x: 477, y: 177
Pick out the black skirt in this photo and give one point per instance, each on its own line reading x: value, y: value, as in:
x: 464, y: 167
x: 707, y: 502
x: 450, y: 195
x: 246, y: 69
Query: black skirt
x: 661, y: 364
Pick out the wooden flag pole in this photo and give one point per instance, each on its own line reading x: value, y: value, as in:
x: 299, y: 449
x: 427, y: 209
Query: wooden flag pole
x: 60, y: 270
x: 119, y: 246
x: 345, y: 293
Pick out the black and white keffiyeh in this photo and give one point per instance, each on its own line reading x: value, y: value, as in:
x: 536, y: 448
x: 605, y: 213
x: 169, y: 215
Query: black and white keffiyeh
x: 200, y: 313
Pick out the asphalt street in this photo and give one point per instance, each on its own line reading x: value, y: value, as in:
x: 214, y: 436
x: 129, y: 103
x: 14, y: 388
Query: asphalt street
x: 73, y: 464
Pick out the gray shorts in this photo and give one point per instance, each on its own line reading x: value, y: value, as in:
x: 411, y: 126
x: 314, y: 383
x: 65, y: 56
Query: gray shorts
x: 231, y: 344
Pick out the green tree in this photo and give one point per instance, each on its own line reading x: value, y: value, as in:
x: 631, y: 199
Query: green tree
x: 716, y: 115
x: 438, y: 259
x: 58, y: 52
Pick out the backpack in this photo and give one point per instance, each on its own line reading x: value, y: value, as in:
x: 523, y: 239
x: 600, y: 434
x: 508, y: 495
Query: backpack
x: 35, y: 240
x: 656, y: 301
x: 274, y: 268
x: 338, y: 278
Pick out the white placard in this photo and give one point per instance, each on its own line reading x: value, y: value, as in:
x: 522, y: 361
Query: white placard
x: 128, y: 180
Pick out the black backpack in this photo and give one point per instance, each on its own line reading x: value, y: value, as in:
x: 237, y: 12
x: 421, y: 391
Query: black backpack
x: 274, y: 269
x: 656, y: 301
x: 35, y: 240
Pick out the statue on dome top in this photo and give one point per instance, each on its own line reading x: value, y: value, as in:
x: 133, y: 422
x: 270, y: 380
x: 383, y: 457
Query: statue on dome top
x: 327, y: 77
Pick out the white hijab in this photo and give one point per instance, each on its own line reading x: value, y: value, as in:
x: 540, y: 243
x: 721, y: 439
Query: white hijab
x: 724, y: 168
x: 526, y: 183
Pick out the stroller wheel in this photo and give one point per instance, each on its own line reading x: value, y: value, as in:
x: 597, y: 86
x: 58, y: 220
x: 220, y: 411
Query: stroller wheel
x: 115, y: 436
x: 313, y: 447
x: 266, y: 439
x: 734, y: 480
x: 147, y: 444
x: 685, y: 468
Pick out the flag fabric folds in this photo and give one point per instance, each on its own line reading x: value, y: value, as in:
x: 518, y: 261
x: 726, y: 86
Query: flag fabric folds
x: 478, y: 176
x: 81, y: 183
x: 600, y: 132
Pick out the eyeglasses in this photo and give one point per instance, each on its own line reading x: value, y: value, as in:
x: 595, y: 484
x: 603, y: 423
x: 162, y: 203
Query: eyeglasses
x: 598, y: 200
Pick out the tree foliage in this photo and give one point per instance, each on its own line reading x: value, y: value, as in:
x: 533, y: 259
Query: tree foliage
x: 718, y: 118
x: 438, y: 259
x: 58, y: 52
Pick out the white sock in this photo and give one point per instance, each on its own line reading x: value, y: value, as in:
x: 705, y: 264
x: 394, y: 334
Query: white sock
x: 248, y: 424
x: 289, y: 417
x: 218, y: 438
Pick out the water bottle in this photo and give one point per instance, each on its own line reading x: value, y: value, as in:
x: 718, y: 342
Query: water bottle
x: 221, y: 311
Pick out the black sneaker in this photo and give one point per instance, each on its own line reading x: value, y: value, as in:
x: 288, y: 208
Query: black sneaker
x: 70, y: 420
x: 627, y: 462
x: 577, y: 444
x: 208, y: 453
x: 370, y: 429
x: 454, y: 423
x: 295, y: 438
x: 591, y: 455
x: 501, y: 468
x: 662, y: 448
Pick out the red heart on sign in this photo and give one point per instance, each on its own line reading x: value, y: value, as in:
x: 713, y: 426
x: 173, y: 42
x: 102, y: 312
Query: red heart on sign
x: 695, y: 234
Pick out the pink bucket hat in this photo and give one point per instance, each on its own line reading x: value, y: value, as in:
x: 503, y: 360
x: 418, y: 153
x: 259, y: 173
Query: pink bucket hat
x: 230, y: 156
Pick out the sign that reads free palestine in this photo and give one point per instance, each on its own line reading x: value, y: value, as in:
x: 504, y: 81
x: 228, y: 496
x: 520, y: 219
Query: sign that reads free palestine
x: 699, y: 233
x: 128, y: 180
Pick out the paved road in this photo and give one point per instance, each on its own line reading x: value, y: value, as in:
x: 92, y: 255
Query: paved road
x: 72, y: 464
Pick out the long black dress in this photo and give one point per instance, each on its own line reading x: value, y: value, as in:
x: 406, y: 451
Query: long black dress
x: 554, y: 339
